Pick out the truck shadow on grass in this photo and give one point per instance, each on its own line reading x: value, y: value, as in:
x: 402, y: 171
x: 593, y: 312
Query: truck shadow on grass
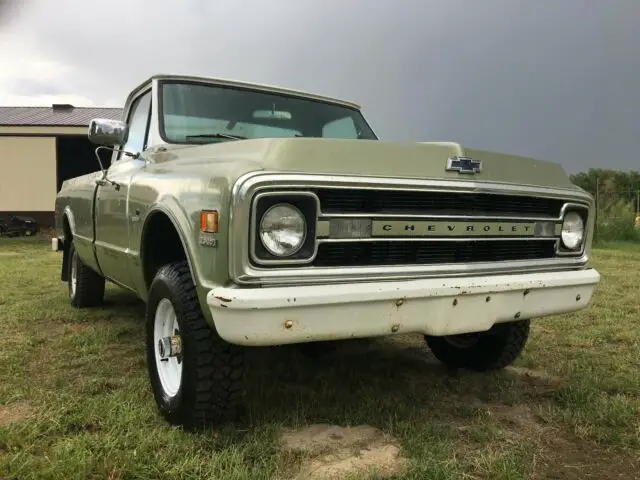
x: 370, y: 380
x: 357, y: 381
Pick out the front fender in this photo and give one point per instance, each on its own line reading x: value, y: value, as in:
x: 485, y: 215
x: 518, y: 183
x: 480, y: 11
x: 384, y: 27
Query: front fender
x: 180, y: 221
x: 203, y: 260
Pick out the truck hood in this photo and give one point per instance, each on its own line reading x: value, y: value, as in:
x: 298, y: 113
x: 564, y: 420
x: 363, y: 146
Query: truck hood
x: 373, y: 158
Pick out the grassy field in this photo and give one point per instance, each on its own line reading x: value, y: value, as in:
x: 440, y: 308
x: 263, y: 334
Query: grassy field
x: 75, y: 400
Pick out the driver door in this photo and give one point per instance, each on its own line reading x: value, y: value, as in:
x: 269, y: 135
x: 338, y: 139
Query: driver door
x: 112, y: 205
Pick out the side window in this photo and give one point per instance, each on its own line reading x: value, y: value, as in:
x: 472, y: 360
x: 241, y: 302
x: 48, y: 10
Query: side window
x: 138, y: 124
x: 340, y: 128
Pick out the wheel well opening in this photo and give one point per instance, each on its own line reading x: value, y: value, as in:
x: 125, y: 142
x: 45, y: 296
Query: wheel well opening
x: 160, y: 245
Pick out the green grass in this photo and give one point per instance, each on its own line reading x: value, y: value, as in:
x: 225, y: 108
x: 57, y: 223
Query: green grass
x: 75, y: 384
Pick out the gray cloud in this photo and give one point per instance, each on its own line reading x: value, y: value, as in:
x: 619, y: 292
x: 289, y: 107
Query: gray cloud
x: 8, y: 10
x: 556, y: 80
x: 35, y: 86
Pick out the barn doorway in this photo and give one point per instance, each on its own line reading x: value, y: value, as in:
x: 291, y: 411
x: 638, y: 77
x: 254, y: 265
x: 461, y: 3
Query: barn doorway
x: 76, y: 156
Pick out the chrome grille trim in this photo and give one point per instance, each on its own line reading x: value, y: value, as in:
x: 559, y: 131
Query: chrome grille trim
x: 242, y: 272
x: 434, y: 239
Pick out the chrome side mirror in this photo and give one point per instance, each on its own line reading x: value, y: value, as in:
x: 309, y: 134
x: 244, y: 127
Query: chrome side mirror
x: 103, y: 131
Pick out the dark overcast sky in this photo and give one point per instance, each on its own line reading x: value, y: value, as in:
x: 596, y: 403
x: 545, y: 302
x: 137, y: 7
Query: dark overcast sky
x: 554, y: 79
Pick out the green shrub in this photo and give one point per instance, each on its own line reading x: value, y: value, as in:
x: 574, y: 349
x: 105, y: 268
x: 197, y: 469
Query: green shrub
x: 616, y: 223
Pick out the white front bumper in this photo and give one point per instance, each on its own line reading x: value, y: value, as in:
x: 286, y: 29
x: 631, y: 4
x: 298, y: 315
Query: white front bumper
x: 441, y: 306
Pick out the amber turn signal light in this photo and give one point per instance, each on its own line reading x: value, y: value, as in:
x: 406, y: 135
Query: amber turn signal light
x: 209, y: 221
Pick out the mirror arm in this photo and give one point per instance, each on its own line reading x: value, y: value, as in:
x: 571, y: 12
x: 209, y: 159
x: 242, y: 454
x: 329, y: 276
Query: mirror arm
x: 104, y: 180
x: 100, y: 161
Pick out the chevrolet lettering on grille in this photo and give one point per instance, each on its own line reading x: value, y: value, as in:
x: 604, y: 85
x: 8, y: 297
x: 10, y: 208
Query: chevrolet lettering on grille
x: 391, y: 228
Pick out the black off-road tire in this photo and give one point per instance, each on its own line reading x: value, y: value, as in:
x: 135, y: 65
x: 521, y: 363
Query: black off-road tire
x: 90, y: 285
x: 491, y: 350
x: 211, y: 384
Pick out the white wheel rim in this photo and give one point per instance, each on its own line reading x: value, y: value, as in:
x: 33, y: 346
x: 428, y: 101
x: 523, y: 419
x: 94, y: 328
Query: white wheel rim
x: 74, y: 275
x: 169, y: 369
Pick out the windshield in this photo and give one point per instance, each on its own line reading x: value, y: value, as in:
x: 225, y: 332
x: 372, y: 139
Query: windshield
x: 203, y: 113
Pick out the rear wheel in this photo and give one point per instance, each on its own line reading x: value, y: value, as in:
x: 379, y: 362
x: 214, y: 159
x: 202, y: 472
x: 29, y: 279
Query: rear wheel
x: 483, y: 351
x: 86, y: 286
x: 196, y: 377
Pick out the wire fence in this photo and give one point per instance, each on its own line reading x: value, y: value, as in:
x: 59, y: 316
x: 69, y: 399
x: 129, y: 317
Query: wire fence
x: 617, y: 213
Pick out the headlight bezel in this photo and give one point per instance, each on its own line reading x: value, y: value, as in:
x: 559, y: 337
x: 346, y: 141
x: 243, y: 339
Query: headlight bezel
x: 583, y: 212
x: 309, y: 206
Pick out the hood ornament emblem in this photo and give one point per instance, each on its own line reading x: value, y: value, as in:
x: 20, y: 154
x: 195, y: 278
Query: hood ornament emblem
x: 463, y: 165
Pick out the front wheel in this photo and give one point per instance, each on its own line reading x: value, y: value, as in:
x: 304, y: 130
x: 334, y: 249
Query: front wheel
x: 483, y: 351
x: 196, y: 377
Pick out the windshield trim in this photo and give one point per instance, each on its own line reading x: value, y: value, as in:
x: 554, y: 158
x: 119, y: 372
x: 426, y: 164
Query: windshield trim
x: 162, y: 83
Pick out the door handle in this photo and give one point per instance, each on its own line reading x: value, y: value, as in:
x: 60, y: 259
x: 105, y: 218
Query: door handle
x: 136, y: 217
x: 104, y: 181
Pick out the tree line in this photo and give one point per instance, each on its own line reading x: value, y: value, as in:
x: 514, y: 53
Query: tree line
x: 610, y: 186
x: 617, y: 196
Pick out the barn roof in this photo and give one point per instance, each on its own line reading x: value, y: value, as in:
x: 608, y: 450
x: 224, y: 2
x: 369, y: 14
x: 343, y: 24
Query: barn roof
x: 56, y: 115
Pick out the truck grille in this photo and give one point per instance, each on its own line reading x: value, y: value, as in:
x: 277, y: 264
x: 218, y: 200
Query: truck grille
x: 361, y: 254
x: 410, y: 228
x: 336, y: 200
x: 364, y: 227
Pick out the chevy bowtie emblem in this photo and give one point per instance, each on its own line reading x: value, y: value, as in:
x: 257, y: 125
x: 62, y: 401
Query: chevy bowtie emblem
x: 463, y: 165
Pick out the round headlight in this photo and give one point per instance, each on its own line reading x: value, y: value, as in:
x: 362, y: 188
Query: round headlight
x: 572, y: 230
x: 283, y: 230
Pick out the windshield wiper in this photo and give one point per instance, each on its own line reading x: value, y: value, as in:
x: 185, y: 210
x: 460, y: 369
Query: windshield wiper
x: 217, y: 135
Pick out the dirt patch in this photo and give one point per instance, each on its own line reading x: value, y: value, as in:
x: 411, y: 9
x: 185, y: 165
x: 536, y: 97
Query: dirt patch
x: 564, y: 456
x: 15, y: 412
x: 520, y: 418
x: 533, y: 374
x: 75, y: 327
x: 570, y: 458
x: 335, y: 452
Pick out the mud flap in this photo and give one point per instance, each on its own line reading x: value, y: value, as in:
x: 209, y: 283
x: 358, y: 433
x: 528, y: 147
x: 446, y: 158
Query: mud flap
x: 64, y: 272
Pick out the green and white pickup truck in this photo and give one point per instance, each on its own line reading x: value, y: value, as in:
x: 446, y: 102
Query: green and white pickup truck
x: 249, y: 215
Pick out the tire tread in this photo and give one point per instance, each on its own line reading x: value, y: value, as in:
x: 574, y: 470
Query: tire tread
x: 495, y: 350
x: 90, y: 285
x: 213, y: 388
